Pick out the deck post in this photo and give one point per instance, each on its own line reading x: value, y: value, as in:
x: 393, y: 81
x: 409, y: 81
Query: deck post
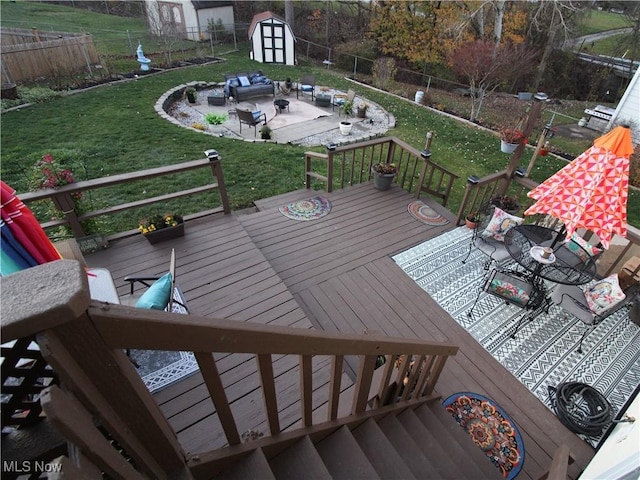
x: 222, y: 188
x: 52, y: 301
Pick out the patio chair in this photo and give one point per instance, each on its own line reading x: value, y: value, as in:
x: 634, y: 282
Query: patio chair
x: 594, y: 302
x: 307, y: 85
x: 490, y: 240
x: 341, y: 100
x: 253, y: 119
x: 161, y: 291
x: 514, y: 288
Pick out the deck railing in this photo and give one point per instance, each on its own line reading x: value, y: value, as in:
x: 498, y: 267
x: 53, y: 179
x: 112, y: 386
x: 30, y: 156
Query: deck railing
x: 84, y: 342
x: 63, y: 197
x: 351, y: 164
x: 479, y: 192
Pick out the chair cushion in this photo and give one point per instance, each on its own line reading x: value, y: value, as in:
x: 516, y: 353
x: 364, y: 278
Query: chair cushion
x: 501, y: 222
x: 603, y: 294
x: 244, y: 81
x: 574, y: 244
x: 509, y: 291
x: 256, y: 114
x: 157, y: 295
x: 306, y: 88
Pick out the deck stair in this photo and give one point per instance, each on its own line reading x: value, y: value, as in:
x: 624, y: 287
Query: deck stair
x: 411, y: 443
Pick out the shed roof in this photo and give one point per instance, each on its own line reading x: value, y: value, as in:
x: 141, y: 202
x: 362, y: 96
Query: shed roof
x: 260, y: 17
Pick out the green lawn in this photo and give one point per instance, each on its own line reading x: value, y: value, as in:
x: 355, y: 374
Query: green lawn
x: 601, y: 21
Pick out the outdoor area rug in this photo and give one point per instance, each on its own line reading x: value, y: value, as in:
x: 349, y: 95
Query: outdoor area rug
x: 305, y: 210
x: 544, y: 351
x: 159, y: 368
x: 426, y: 214
x: 490, y: 428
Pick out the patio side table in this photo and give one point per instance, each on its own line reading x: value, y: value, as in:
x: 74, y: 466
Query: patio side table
x: 323, y: 100
x: 217, y: 99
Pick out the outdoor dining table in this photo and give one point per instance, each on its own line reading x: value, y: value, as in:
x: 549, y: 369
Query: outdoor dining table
x: 525, y: 244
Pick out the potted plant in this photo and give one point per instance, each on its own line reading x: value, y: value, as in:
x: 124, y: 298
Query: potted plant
x: 191, y: 93
x: 383, y: 175
x: 506, y: 203
x: 158, y: 228
x: 472, y: 220
x: 544, y: 150
x: 361, y: 111
x: 213, y: 118
x: 347, y: 108
x: 345, y: 127
x: 510, y: 138
x: 265, y: 132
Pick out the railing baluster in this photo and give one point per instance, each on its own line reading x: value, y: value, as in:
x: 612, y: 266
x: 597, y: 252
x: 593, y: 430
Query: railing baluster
x: 412, y: 376
x: 209, y: 370
x: 334, y: 387
x: 384, y: 388
x: 265, y: 366
x: 424, y: 375
x: 362, y: 169
x: 435, y: 374
x: 306, y: 390
x: 363, y: 384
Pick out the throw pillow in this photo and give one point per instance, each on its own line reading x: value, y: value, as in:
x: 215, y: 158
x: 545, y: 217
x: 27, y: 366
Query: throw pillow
x: 603, y: 294
x: 244, y: 81
x: 157, y: 295
x: 500, y: 224
x: 575, y: 243
x: 509, y: 291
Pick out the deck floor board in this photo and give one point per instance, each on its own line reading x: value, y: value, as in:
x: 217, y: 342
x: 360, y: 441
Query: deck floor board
x: 333, y: 274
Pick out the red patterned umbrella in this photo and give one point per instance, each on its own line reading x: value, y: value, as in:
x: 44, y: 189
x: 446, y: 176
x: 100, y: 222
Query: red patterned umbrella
x: 591, y: 192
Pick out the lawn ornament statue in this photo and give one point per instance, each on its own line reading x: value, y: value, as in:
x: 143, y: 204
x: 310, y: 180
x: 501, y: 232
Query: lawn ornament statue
x: 144, y: 61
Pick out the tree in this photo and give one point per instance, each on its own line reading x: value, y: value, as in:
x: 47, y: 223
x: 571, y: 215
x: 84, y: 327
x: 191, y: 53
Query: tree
x: 419, y: 32
x: 485, y: 68
x: 551, y: 23
x: 162, y: 24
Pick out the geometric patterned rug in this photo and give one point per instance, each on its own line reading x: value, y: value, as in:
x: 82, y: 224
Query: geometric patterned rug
x: 159, y: 368
x: 544, y: 352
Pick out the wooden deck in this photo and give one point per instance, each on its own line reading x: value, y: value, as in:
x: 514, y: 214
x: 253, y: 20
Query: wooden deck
x: 333, y: 274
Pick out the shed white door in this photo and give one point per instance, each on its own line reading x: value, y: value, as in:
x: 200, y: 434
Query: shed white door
x: 273, y: 42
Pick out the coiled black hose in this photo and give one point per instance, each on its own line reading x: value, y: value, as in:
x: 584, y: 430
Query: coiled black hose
x: 581, y: 408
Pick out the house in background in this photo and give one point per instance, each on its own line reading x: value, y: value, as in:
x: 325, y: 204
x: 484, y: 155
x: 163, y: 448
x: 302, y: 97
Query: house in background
x: 628, y: 109
x: 189, y: 18
x: 272, y: 40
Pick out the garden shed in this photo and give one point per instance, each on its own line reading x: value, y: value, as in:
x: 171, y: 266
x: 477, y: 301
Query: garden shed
x: 272, y: 40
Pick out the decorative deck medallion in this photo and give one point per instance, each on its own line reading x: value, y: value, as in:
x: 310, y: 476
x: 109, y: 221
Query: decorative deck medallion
x: 490, y: 428
x: 305, y: 210
x: 426, y: 214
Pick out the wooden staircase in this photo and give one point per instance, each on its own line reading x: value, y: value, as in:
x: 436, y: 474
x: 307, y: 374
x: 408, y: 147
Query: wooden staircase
x: 420, y: 443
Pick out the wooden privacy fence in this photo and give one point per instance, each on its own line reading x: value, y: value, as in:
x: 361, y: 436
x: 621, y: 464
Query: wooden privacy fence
x: 28, y: 55
x: 351, y: 164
